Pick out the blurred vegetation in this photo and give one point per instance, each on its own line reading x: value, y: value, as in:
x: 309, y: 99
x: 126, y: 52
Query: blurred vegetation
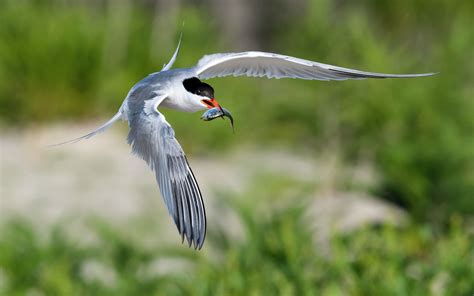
x: 75, y: 61
x: 278, y: 257
x: 65, y: 61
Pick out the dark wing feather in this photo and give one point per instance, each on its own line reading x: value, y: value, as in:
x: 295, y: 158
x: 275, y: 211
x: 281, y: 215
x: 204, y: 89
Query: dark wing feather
x: 152, y: 139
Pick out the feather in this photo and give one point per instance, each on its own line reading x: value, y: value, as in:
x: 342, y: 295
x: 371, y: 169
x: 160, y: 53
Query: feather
x: 153, y: 139
x: 271, y: 65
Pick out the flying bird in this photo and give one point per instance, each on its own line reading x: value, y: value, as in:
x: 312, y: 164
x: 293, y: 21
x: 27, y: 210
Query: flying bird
x: 153, y: 139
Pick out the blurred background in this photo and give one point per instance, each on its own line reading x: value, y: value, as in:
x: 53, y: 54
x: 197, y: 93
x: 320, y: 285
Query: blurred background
x: 331, y: 188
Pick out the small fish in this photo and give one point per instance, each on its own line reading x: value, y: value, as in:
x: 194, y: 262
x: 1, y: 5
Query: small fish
x: 217, y: 112
x: 212, y: 113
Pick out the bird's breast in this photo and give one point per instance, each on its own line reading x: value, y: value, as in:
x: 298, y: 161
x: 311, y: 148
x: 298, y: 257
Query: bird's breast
x: 182, y: 105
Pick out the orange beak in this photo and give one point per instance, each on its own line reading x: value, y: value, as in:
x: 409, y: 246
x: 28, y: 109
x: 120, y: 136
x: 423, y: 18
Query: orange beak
x: 212, y: 103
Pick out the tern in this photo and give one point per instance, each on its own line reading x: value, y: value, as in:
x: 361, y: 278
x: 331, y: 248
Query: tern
x: 153, y: 139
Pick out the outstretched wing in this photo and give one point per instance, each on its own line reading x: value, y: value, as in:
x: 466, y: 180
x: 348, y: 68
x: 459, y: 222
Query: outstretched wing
x: 153, y: 139
x: 271, y: 65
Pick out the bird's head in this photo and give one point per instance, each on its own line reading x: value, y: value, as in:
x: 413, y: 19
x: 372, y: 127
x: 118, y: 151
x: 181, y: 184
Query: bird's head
x: 201, y: 91
x: 205, y: 93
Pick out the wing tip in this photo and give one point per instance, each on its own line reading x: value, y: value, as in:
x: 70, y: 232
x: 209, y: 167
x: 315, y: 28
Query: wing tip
x: 98, y: 130
x: 192, y: 242
x: 432, y: 73
x: 420, y: 75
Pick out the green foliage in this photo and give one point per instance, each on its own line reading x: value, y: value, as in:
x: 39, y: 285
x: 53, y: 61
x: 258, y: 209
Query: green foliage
x: 278, y: 257
x: 78, y: 61
x: 420, y: 132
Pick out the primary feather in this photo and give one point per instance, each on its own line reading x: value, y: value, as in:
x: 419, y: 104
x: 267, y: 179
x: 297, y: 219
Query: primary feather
x: 272, y: 65
x: 152, y: 139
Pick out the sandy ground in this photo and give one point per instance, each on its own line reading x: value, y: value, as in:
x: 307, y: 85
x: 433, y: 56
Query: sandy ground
x: 99, y: 177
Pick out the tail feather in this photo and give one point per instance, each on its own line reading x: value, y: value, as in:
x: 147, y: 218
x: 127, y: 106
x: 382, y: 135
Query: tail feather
x: 94, y: 132
x: 173, y: 58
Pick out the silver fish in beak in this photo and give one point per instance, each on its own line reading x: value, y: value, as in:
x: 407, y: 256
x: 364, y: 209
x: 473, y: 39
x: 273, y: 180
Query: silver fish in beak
x: 217, y: 112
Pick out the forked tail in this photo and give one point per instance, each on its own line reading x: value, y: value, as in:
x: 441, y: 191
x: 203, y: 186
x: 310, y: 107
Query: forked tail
x: 96, y: 131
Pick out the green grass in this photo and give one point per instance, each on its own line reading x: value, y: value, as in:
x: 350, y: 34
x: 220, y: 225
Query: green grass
x: 278, y: 257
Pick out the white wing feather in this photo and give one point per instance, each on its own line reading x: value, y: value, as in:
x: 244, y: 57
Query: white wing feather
x: 271, y: 65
